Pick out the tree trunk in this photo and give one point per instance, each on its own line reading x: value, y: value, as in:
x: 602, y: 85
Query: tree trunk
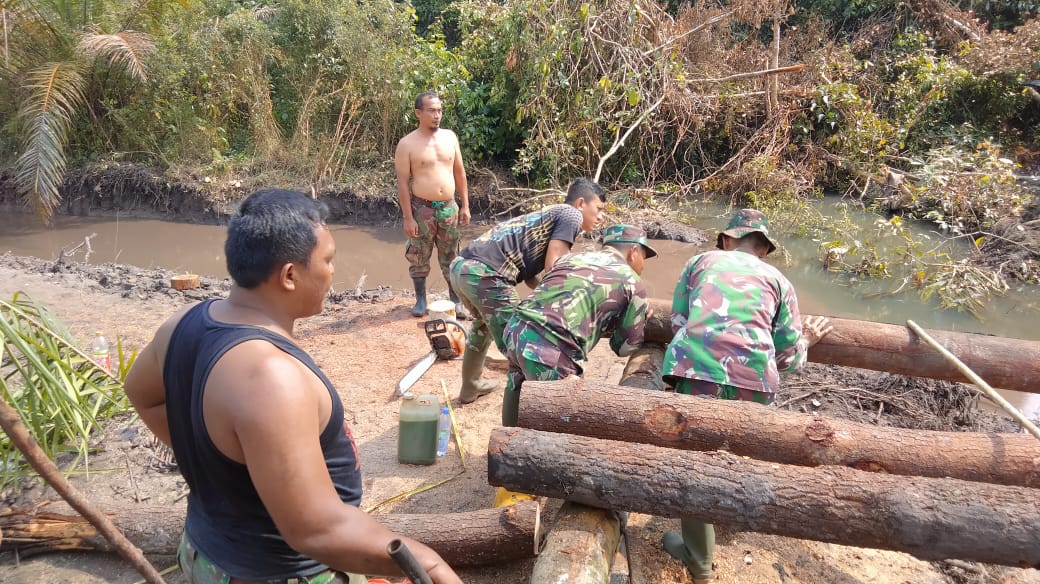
x: 926, y: 517
x: 1005, y: 363
x: 581, y: 546
x: 643, y: 370
x: 601, y: 410
x: 473, y: 538
x: 593, y: 533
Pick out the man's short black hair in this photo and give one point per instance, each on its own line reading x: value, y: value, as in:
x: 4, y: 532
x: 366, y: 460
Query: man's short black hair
x: 583, y: 188
x: 271, y: 228
x: 421, y: 98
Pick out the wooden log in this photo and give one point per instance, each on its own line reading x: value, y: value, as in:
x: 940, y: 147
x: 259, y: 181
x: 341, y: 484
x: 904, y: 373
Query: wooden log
x: 929, y: 518
x: 601, y: 410
x: 643, y: 370
x: 1005, y: 363
x: 580, y: 547
x: 473, y: 538
x: 582, y: 544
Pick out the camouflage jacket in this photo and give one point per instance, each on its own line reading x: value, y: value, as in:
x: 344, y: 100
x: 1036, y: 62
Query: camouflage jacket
x: 735, y: 320
x: 581, y: 299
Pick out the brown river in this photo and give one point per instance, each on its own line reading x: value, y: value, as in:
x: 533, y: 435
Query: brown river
x: 374, y: 256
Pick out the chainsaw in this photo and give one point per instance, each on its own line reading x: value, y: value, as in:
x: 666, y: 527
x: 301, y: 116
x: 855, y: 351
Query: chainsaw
x: 447, y: 341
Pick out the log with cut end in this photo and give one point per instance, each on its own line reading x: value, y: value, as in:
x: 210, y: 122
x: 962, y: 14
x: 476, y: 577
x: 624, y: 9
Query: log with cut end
x: 602, y: 410
x: 927, y: 517
x: 473, y: 538
x: 580, y: 547
x: 1005, y: 363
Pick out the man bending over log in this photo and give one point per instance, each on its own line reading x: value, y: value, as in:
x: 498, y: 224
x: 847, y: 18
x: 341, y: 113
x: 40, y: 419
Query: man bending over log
x: 257, y: 428
x: 584, y: 297
x: 736, y: 324
x: 487, y: 271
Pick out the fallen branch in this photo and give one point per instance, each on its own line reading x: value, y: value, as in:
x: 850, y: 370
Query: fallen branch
x: 34, y: 455
x: 750, y: 74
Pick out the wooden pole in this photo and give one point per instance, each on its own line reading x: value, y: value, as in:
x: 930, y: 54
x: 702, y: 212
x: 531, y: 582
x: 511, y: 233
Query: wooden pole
x: 929, y: 518
x: 583, y: 543
x: 602, y: 410
x: 471, y: 538
x: 981, y: 383
x: 23, y: 440
x: 1006, y: 363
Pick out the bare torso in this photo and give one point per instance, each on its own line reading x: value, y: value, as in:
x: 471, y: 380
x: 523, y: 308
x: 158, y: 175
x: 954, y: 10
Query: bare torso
x: 431, y: 159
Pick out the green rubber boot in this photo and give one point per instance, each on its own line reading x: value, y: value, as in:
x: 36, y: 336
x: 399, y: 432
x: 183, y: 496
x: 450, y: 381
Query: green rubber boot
x: 419, y: 310
x: 510, y: 407
x: 695, y: 548
x: 472, y: 385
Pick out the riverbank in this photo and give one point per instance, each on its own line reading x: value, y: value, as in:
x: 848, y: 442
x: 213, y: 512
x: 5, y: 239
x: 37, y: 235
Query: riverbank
x: 364, y: 343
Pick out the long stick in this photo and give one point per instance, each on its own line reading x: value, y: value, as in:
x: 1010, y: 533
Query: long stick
x: 19, y: 435
x: 989, y: 391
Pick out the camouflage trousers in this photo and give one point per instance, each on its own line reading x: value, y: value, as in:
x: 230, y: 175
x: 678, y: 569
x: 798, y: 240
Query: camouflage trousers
x: 719, y: 390
x: 438, y: 227
x: 199, y: 569
x: 532, y: 356
x: 490, y: 299
x: 698, y: 536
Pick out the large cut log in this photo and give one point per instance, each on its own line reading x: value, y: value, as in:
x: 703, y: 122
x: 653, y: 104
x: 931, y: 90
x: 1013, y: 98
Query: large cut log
x: 927, y: 517
x: 474, y: 538
x: 601, y: 410
x: 1005, y: 363
x: 580, y: 547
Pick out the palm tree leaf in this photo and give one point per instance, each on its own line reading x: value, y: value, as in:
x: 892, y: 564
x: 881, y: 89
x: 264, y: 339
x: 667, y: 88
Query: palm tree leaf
x: 126, y: 49
x: 46, y: 115
x: 59, y: 392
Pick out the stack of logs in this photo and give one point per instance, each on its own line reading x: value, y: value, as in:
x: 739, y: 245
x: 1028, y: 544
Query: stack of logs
x: 935, y: 495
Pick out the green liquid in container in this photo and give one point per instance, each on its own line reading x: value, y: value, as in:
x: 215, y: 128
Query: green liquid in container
x: 417, y: 429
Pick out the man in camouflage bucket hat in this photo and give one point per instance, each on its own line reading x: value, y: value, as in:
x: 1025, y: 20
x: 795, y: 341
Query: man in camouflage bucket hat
x: 736, y: 324
x: 584, y: 297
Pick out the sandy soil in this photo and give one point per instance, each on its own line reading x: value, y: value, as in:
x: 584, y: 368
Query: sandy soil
x: 364, y: 347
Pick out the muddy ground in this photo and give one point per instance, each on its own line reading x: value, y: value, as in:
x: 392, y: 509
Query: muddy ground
x: 365, y: 340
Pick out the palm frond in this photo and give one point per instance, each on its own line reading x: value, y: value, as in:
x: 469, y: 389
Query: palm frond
x: 61, y: 395
x: 46, y: 115
x: 126, y: 49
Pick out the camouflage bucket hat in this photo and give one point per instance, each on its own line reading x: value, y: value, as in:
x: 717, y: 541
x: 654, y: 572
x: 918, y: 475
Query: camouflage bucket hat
x: 747, y: 221
x: 622, y: 233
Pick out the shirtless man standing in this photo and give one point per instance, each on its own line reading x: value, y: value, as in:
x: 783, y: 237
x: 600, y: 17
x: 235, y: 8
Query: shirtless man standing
x: 429, y: 169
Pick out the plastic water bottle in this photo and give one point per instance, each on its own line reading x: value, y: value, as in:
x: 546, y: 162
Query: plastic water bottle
x: 443, y: 431
x: 99, y: 352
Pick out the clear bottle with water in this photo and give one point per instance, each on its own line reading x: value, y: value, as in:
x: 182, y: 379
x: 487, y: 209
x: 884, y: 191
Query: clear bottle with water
x: 443, y: 431
x: 99, y: 352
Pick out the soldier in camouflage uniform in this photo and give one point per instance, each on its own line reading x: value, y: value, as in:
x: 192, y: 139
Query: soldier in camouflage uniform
x: 584, y: 297
x: 736, y: 324
x: 487, y: 271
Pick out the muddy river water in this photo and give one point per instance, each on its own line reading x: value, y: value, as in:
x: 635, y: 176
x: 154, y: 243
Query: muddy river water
x: 373, y: 255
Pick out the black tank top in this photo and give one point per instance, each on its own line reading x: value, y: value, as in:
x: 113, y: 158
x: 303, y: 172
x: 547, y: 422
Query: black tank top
x: 226, y: 520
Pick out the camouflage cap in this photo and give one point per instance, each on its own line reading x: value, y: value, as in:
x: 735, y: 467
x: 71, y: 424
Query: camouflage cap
x: 747, y: 221
x: 622, y: 233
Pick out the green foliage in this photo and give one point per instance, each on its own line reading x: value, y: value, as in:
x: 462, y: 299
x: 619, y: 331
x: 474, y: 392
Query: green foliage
x: 61, y: 395
x: 59, y: 60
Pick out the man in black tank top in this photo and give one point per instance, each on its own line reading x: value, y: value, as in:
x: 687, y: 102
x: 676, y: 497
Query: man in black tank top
x: 257, y: 428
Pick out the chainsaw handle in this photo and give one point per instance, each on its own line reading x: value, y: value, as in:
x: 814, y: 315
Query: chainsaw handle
x: 404, y: 559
